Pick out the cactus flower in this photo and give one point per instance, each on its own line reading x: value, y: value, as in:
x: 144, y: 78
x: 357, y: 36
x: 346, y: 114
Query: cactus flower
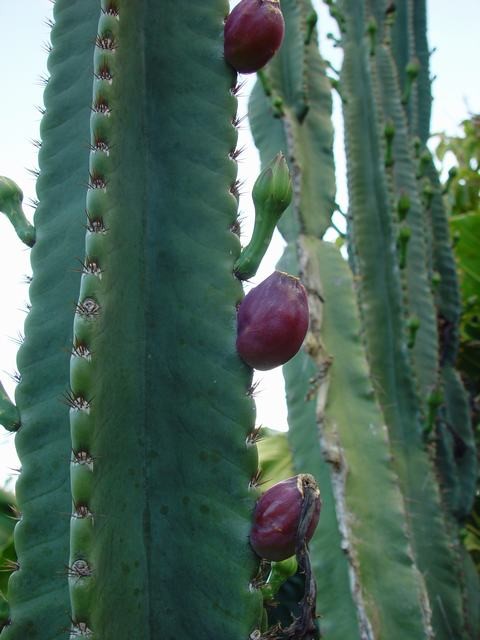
x: 253, y: 33
x: 272, y: 321
x: 278, y: 515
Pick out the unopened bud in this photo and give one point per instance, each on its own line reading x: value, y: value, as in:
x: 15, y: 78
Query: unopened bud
x: 11, y: 197
x: 272, y: 193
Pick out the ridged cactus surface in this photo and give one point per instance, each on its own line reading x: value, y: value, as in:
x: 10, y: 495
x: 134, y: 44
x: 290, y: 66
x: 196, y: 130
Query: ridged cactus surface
x: 38, y: 591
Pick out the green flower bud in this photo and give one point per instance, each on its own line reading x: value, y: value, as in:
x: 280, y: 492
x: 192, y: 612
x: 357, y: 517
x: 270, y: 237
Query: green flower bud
x: 413, y: 69
x: 272, y: 190
x: 11, y: 198
x: 403, y: 206
x: 413, y: 325
x: 272, y: 193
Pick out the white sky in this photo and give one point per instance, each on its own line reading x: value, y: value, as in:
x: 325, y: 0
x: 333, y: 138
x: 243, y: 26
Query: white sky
x: 453, y: 30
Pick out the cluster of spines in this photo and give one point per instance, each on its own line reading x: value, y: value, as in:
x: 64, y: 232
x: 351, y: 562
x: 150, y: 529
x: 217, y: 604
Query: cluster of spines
x: 81, y: 573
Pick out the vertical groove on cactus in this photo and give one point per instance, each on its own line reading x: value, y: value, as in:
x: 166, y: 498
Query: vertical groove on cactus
x: 160, y: 397
x: 38, y: 591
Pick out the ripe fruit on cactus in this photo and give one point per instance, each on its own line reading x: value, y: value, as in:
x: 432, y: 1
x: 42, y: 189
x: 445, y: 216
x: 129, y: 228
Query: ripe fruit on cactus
x: 253, y: 33
x: 272, y: 321
x: 282, y: 513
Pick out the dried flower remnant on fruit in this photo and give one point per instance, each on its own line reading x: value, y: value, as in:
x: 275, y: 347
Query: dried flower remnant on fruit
x: 272, y: 321
x: 278, y: 515
x: 253, y: 33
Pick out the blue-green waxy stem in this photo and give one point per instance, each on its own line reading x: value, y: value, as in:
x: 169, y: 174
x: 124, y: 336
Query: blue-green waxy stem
x: 154, y: 480
x: 38, y: 591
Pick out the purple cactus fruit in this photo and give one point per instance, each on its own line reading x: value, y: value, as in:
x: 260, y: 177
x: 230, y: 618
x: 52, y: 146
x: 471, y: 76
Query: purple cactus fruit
x: 272, y: 321
x: 278, y: 515
x: 253, y: 33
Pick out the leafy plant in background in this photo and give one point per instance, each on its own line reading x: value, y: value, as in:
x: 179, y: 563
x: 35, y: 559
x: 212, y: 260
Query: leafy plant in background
x: 137, y: 491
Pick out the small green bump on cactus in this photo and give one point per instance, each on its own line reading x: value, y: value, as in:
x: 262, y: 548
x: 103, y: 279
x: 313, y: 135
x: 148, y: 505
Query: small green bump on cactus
x: 336, y: 85
x: 417, y: 145
x: 413, y: 325
x: 452, y: 174
x: 311, y: 22
x: 279, y: 573
x: 11, y: 197
x: 265, y: 82
x: 424, y: 160
x: 277, y: 105
x: 427, y: 193
x: 389, y: 133
x: 9, y: 414
x: 272, y: 193
x: 412, y: 70
x: 434, y: 403
x: 403, y: 239
x: 403, y: 206
x: 436, y: 280
x: 372, y: 29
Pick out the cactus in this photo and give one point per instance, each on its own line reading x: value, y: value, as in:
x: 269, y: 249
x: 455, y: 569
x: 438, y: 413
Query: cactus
x: 134, y: 419
x: 398, y: 242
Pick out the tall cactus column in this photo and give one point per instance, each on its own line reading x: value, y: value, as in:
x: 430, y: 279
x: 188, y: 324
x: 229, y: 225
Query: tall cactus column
x: 38, y: 590
x: 159, y: 411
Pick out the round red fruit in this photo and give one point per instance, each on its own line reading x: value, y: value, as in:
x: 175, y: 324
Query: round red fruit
x: 278, y: 515
x: 253, y: 33
x: 272, y: 321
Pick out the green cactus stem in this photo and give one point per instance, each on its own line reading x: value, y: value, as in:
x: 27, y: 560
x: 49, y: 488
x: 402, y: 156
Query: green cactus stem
x: 38, y: 591
x: 11, y: 197
x: 272, y: 193
x: 9, y: 414
x: 161, y: 504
